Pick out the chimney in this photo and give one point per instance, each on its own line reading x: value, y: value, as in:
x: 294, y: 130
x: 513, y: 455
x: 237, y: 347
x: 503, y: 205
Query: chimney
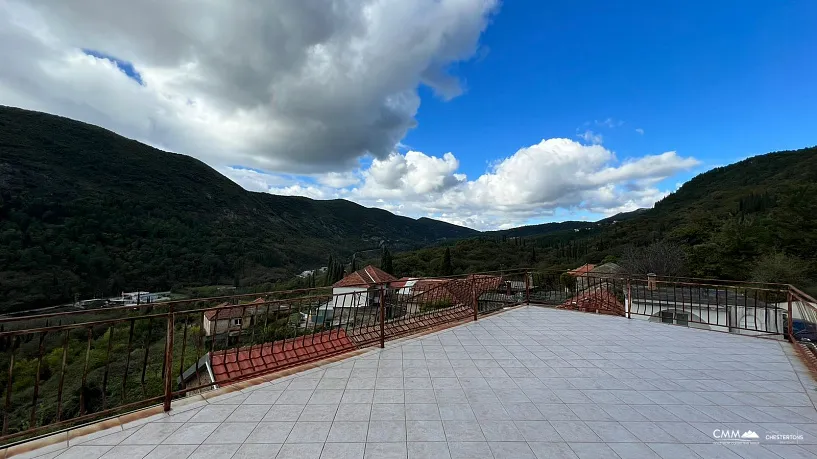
x: 652, y: 284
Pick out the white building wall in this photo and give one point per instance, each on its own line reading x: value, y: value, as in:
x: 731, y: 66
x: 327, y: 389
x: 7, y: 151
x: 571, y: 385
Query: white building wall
x: 351, y: 297
x: 737, y: 319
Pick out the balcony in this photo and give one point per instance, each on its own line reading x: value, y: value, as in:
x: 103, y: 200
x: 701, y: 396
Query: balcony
x: 522, y: 380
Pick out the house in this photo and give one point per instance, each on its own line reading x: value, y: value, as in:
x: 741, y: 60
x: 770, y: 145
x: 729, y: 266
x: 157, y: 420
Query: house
x: 580, y: 274
x: 456, y: 291
x: 362, y: 288
x: 404, y: 286
x: 592, y: 276
x: 711, y: 308
x: 226, y: 319
x: 596, y: 300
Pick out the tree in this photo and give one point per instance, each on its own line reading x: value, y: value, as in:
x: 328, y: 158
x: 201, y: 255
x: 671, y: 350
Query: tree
x: 609, y: 259
x: 779, y: 267
x: 568, y: 281
x: 445, y: 267
x: 533, y: 255
x: 660, y: 258
x: 386, y: 261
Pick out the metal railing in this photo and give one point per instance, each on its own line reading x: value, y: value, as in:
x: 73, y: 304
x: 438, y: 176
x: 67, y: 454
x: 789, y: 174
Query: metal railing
x: 68, y: 368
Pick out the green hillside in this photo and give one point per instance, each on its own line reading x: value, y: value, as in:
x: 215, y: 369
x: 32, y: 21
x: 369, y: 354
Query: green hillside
x: 756, y: 219
x: 86, y: 212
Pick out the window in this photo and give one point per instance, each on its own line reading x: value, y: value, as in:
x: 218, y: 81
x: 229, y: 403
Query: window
x: 237, y: 322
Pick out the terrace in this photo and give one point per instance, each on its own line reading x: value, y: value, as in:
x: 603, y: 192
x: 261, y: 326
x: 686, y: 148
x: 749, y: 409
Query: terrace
x: 494, y: 378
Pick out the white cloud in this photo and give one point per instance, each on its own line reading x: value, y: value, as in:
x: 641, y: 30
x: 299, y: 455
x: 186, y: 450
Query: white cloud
x: 296, y: 86
x: 305, y: 90
x: 639, y: 130
x: 532, y: 183
x: 591, y: 137
x: 338, y: 179
x: 609, y: 122
x: 412, y: 173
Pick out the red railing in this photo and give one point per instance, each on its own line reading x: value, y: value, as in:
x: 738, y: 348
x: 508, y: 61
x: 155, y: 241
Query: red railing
x: 69, y: 368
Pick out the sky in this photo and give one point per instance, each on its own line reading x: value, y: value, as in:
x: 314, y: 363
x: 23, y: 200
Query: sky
x: 485, y: 113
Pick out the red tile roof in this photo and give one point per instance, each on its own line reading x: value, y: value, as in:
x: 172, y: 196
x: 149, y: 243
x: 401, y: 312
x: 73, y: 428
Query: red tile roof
x: 458, y: 291
x: 599, y: 300
x: 366, y: 276
x: 400, y: 283
x: 223, y: 313
x: 581, y: 270
x: 237, y: 364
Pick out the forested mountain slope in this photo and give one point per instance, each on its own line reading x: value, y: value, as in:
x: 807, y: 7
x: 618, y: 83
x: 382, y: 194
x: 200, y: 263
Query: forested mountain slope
x: 755, y: 219
x: 88, y: 212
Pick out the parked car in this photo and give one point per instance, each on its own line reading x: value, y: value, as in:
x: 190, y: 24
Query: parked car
x: 804, y: 331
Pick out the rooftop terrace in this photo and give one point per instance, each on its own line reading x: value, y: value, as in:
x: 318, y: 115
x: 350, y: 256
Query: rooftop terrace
x: 527, y: 382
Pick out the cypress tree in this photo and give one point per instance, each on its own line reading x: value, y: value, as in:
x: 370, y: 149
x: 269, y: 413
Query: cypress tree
x: 386, y: 261
x: 445, y: 267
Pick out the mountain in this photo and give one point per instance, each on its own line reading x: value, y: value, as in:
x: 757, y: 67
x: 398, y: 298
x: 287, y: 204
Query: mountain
x: 752, y: 220
x: 621, y: 216
x: 542, y: 228
x: 86, y: 212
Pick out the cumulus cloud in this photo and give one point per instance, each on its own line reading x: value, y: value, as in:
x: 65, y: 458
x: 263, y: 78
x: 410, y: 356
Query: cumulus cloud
x: 303, y: 86
x: 308, y: 98
x: 531, y: 184
x: 639, y: 131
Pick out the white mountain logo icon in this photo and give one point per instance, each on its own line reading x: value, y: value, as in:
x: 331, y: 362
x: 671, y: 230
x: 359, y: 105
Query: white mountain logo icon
x: 749, y: 435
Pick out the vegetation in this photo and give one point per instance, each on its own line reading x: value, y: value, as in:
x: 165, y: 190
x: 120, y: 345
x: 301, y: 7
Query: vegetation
x: 123, y: 361
x: 445, y: 265
x: 435, y: 305
x: 386, y: 262
x: 87, y: 213
x: 661, y: 258
x: 750, y: 220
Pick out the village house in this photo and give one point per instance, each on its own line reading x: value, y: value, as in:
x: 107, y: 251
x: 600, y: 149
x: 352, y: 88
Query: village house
x: 230, y: 320
x: 362, y: 288
x: 354, y: 296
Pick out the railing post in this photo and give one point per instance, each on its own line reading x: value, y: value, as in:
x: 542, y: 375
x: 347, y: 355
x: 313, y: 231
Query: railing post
x: 382, y: 318
x: 790, y: 320
x: 171, y: 321
x: 475, y: 299
x: 527, y: 287
x: 629, y: 300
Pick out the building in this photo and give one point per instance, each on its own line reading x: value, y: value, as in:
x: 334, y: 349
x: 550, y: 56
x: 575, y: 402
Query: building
x: 404, y: 286
x: 231, y: 320
x: 362, y: 288
x: 133, y: 298
x: 461, y: 292
x: 599, y: 301
x: 723, y: 308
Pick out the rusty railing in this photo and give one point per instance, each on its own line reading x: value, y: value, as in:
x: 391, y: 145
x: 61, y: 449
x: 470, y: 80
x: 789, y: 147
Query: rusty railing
x: 67, y: 368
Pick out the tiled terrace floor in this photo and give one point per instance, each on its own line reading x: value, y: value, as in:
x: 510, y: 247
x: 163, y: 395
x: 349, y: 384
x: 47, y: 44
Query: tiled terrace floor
x: 526, y: 383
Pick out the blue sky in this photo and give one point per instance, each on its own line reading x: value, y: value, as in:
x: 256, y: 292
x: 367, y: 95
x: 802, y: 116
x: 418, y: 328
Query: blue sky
x: 484, y: 113
x: 716, y: 80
